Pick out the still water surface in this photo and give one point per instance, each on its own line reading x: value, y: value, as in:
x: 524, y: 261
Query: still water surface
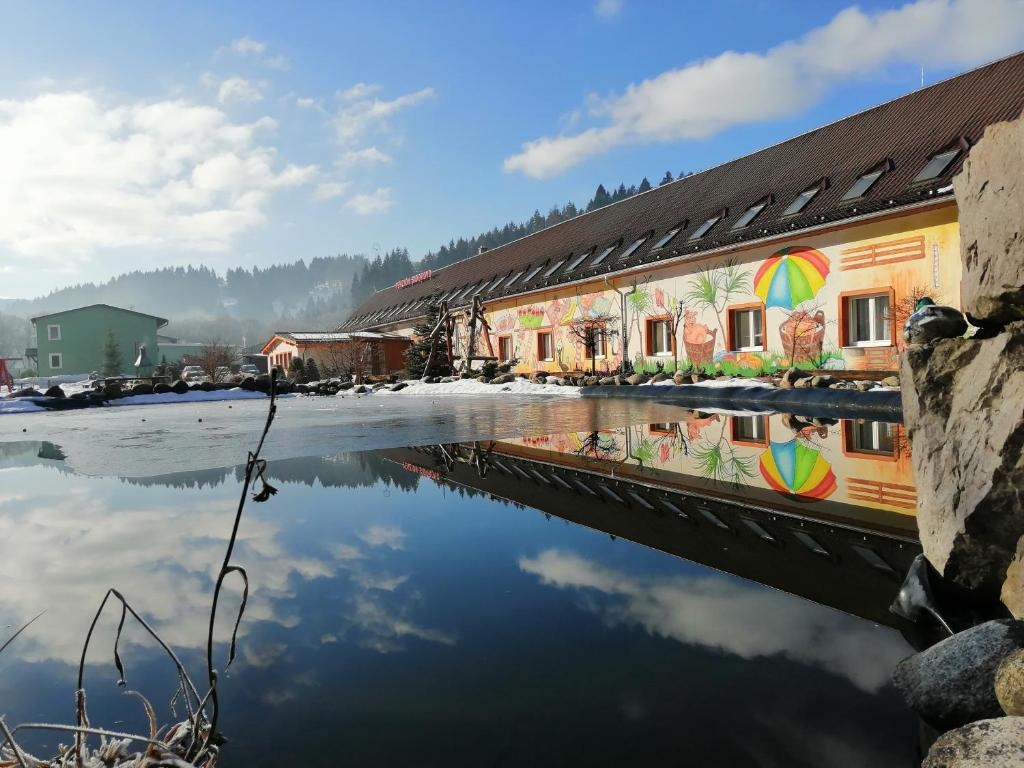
x: 707, y: 591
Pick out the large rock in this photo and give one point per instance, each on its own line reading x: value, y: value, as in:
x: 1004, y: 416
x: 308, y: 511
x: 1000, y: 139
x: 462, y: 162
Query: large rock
x: 248, y: 383
x: 1012, y: 593
x: 953, y: 682
x: 963, y: 405
x: 995, y: 743
x: 55, y: 391
x: 636, y: 378
x: 179, y: 387
x: 1010, y: 683
x: 142, y: 388
x: 161, y: 388
x: 505, y: 378
x: 990, y: 199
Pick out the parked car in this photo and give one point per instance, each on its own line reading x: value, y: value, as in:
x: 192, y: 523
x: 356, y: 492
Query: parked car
x: 249, y: 370
x: 194, y: 374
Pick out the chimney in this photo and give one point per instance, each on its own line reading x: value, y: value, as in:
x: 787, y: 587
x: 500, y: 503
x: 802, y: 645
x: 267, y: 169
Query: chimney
x: 481, y: 249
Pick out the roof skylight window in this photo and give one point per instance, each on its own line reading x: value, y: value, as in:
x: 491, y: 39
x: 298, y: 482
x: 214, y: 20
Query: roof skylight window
x: 937, y: 165
x: 801, y: 201
x: 604, y: 254
x: 533, y: 273
x: 514, y: 277
x: 577, y: 261
x: 632, y: 248
x: 667, y: 238
x: 865, y: 182
x: 751, y: 213
x: 496, y: 283
x: 551, y: 270
x: 704, y: 228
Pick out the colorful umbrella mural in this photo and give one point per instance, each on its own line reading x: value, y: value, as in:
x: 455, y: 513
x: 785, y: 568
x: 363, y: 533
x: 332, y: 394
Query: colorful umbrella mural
x: 791, y: 276
x: 793, y: 468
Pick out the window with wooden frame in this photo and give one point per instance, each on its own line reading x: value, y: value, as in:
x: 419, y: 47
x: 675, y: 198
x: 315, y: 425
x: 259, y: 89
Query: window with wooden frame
x: 660, y: 339
x: 746, y: 327
x: 866, y: 317
x: 662, y: 428
x: 545, y: 347
x: 870, y: 439
x: 749, y: 430
x: 504, y: 348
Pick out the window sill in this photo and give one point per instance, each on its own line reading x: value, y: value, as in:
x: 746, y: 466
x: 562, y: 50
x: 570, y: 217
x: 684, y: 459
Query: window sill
x: 870, y: 345
x: 748, y: 349
x: 662, y: 354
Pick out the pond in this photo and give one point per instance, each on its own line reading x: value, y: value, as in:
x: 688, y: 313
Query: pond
x: 600, y: 584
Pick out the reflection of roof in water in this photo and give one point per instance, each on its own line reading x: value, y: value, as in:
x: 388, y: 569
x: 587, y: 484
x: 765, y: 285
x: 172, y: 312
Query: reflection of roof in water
x: 845, y: 565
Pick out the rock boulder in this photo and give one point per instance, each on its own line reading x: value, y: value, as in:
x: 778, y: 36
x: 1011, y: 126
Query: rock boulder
x: 990, y: 198
x: 1010, y: 683
x: 997, y: 743
x: 55, y: 391
x: 963, y: 405
x: 179, y: 387
x: 953, y: 682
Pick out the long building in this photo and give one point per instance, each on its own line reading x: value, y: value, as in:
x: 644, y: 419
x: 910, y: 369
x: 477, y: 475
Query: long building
x: 810, y: 252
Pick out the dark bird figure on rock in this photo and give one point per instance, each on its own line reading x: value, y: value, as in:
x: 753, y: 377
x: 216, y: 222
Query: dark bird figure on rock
x: 931, y: 322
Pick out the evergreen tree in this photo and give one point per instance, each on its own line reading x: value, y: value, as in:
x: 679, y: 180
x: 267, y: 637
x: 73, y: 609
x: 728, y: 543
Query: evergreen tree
x: 601, y: 198
x: 645, y: 185
x: 112, y: 363
x: 297, y: 370
x: 665, y: 179
x: 417, y: 353
x: 312, y: 370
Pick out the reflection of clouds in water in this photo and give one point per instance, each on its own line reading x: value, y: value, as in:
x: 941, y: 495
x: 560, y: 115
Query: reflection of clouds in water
x: 390, y: 536
x: 732, y: 616
x: 345, y: 552
x: 70, y: 542
x: 381, y: 628
x: 263, y: 654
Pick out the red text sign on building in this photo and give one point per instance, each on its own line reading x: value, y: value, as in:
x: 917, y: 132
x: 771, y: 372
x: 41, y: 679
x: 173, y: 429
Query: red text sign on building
x: 407, y: 281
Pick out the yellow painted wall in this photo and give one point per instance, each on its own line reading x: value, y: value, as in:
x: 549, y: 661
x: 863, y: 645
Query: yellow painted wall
x: 912, y: 254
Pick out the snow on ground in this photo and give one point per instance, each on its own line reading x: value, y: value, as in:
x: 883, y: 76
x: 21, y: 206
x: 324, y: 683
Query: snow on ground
x: 192, y: 396
x: 19, y: 406
x: 474, y: 387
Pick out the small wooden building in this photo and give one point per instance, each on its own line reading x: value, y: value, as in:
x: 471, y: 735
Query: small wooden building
x: 371, y: 354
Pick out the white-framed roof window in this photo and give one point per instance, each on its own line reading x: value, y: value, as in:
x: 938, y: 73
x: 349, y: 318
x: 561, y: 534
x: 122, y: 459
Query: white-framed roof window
x: 576, y: 261
x: 551, y: 270
x: 533, y: 273
x: 53, y: 332
x: 751, y: 213
x: 865, y: 182
x: 514, y: 277
x: 604, y: 254
x: 632, y: 247
x: 802, y: 200
x: 704, y: 228
x: 667, y: 238
x: 937, y: 165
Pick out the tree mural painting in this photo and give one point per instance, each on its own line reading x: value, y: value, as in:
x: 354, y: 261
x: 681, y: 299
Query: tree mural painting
x: 712, y: 288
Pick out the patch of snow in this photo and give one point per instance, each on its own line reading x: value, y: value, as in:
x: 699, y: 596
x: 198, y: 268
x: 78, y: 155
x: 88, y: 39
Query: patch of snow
x: 19, y: 405
x: 474, y: 387
x: 192, y: 396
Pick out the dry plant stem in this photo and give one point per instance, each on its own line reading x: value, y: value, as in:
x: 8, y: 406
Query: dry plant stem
x: 251, y: 467
x: 9, y: 738
x: 24, y: 626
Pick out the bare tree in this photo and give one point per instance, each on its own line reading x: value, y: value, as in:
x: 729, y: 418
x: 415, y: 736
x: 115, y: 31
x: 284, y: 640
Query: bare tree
x: 590, y: 332
x: 353, y: 359
x: 211, y: 356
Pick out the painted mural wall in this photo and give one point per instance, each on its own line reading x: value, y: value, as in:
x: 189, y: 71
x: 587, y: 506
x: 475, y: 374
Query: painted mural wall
x: 852, y: 465
x: 805, y: 292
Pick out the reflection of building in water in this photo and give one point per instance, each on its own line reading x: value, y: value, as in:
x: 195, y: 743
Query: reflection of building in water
x: 824, y: 512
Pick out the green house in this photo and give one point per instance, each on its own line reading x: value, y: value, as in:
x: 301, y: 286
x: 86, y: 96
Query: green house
x: 73, y: 341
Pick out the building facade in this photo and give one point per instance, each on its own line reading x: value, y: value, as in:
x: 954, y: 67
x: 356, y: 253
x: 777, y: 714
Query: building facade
x: 369, y: 354
x: 73, y: 341
x: 811, y: 252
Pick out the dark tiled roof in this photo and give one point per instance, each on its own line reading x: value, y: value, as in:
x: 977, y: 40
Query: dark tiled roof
x: 904, y: 133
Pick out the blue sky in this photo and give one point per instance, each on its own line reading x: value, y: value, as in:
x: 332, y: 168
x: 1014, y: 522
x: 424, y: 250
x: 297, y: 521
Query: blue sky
x: 142, y: 135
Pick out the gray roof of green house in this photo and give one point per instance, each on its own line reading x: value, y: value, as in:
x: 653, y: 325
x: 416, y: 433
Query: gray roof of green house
x: 160, y: 321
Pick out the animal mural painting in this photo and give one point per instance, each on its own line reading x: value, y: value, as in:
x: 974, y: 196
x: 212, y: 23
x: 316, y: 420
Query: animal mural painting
x: 803, y: 336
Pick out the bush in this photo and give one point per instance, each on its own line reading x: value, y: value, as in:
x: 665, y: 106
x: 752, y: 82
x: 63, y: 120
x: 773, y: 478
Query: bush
x: 27, y: 373
x: 312, y: 370
x: 489, y: 369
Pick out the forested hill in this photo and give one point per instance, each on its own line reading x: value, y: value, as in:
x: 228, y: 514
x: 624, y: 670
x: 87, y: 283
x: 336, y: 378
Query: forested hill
x: 384, y: 271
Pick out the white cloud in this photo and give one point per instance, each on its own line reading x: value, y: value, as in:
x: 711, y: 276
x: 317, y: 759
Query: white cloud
x: 358, y: 91
x: 81, y: 174
x: 365, y: 156
x: 328, y: 190
x: 368, y: 204
x: 306, y: 103
x: 238, y: 89
x: 718, y: 612
x: 363, y: 114
x: 246, y: 46
x: 279, y: 62
x: 390, y: 536
x: 705, y: 97
x: 606, y: 9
